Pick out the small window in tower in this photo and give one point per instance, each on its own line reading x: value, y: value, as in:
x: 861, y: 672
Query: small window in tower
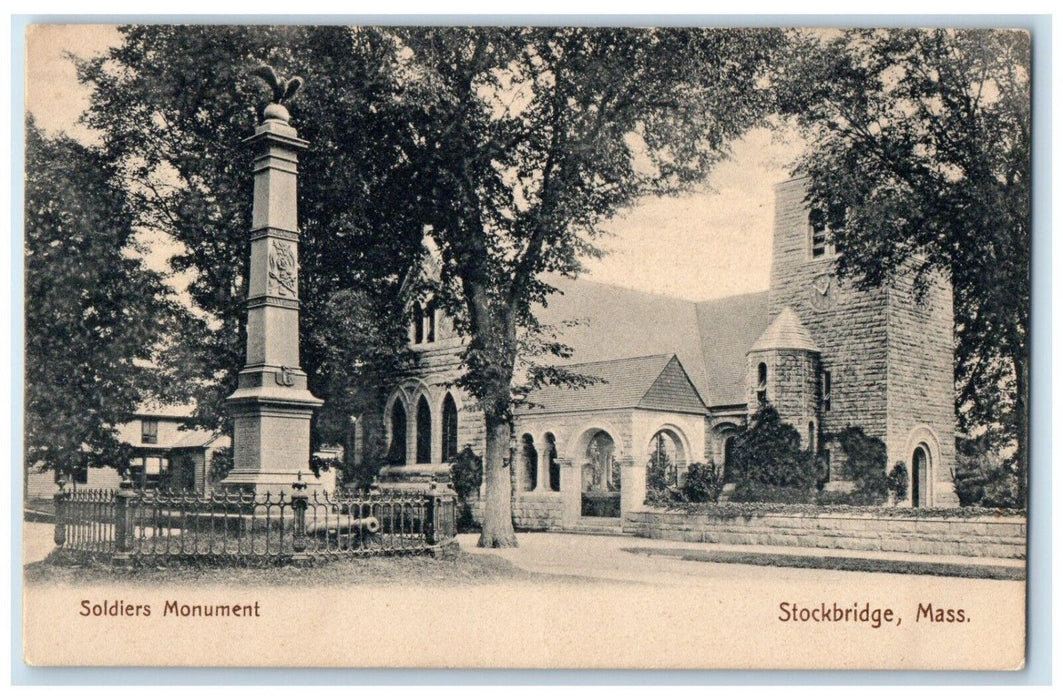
x: 819, y: 221
x: 826, y: 391
x: 762, y: 383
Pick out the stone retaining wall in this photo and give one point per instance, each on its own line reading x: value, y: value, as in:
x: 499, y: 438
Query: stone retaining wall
x: 1001, y: 537
x: 531, y: 511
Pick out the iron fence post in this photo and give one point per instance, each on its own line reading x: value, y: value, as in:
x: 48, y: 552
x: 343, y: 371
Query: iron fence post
x: 441, y: 510
x: 299, y: 505
x: 60, y: 513
x: 123, y: 532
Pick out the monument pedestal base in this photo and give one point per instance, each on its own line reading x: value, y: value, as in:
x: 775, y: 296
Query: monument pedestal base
x: 271, y: 441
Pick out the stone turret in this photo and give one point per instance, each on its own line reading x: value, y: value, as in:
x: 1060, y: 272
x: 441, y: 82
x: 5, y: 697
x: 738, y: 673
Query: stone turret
x: 782, y: 368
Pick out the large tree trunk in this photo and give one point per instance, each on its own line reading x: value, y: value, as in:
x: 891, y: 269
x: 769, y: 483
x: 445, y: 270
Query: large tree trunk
x: 498, y: 498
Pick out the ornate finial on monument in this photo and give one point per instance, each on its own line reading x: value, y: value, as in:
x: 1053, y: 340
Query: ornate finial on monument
x: 283, y: 91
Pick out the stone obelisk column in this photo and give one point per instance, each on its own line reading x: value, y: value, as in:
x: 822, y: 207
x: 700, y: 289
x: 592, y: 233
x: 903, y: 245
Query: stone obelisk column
x: 271, y: 406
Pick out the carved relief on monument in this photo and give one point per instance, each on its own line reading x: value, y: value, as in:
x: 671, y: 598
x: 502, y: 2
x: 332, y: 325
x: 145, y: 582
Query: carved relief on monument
x: 282, y: 270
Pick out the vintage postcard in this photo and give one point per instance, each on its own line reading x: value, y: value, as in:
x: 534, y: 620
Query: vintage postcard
x: 526, y: 347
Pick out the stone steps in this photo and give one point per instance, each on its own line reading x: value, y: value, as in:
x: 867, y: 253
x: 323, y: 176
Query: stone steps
x: 608, y: 526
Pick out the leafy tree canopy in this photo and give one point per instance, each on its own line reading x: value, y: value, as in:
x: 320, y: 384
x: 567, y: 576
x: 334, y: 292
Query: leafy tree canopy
x: 173, y: 105
x: 99, y: 324
x: 529, y: 139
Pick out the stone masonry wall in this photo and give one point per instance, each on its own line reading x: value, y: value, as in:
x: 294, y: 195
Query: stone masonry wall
x: 849, y: 326
x: 966, y: 537
x: 920, y: 386
x: 531, y: 511
x: 792, y: 388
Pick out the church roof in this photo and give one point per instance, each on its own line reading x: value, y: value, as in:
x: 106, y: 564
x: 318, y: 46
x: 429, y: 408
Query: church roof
x: 786, y: 332
x: 728, y: 327
x: 709, y: 338
x: 656, y: 382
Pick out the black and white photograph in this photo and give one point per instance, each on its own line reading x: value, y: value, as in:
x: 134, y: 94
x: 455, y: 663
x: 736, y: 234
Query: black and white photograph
x: 541, y: 347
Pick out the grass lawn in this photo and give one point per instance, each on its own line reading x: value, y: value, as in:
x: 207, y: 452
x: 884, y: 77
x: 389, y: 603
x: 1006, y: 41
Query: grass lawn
x: 841, y: 563
x: 461, y: 569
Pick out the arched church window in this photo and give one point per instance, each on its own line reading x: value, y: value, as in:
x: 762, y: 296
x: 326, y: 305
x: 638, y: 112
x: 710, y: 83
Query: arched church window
x: 529, y: 462
x: 430, y: 322
x: 418, y: 324
x: 450, y: 429
x: 728, y: 459
x: 424, y: 432
x: 397, y: 448
x: 826, y: 391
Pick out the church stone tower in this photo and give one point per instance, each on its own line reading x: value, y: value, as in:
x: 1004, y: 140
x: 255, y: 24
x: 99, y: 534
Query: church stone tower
x: 885, y: 361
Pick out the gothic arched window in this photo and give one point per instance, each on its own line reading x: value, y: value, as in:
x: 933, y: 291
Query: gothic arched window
x: 424, y: 432
x: 450, y: 429
x: 418, y: 324
x: 430, y: 322
x: 397, y: 449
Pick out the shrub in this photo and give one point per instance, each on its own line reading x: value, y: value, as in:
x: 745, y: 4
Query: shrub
x: 323, y: 464
x: 660, y: 478
x: 898, y: 482
x: 221, y: 463
x: 848, y: 498
x: 752, y: 492
x: 466, y: 475
x: 768, y: 452
x: 704, y: 483
x: 361, y: 476
x: 865, y: 465
x: 182, y: 474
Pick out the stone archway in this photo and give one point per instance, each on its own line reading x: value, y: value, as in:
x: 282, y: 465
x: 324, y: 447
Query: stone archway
x: 668, y: 458
x: 922, y: 453
x: 600, y: 476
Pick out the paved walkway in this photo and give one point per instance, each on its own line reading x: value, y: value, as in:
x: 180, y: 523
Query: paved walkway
x: 37, y: 541
x: 632, y: 559
x: 636, y: 559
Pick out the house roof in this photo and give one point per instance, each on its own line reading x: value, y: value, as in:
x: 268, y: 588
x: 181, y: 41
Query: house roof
x: 786, y: 332
x: 709, y: 338
x: 197, y: 437
x: 653, y: 382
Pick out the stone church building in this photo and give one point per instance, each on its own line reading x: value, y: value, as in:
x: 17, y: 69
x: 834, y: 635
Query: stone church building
x: 680, y: 377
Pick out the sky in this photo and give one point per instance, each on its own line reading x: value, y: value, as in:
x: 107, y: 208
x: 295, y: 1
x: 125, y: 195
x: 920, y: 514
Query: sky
x: 706, y: 244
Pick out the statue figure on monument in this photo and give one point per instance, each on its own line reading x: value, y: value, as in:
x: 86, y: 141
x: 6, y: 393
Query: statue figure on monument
x: 283, y: 91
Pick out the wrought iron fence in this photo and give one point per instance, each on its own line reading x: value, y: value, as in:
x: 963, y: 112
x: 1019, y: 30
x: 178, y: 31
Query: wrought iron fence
x: 235, y: 526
